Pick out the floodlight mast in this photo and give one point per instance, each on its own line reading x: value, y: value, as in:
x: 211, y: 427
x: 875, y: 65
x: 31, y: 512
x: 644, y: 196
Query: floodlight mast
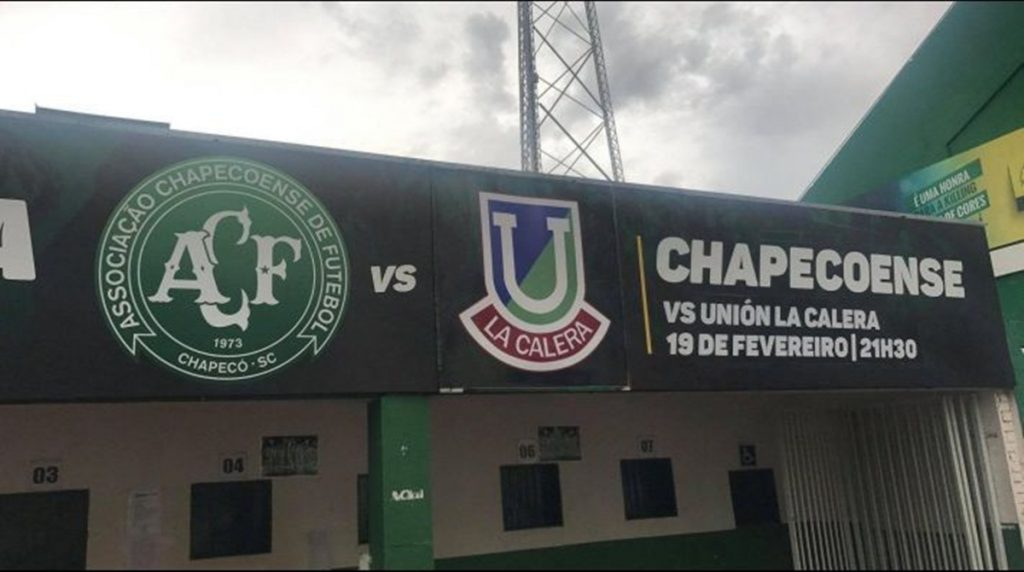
x: 564, y: 106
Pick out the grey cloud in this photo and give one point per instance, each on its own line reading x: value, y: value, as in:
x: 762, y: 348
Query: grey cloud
x: 385, y: 33
x: 694, y: 51
x: 638, y: 61
x: 768, y: 93
x: 670, y: 178
x: 473, y: 138
x: 484, y: 64
x: 482, y: 142
x: 235, y: 34
x: 778, y: 89
x: 481, y: 75
x: 431, y: 75
x: 690, y: 56
x: 739, y: 97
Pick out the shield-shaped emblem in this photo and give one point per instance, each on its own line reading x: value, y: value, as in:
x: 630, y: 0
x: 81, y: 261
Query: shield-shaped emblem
x: 535, y: 316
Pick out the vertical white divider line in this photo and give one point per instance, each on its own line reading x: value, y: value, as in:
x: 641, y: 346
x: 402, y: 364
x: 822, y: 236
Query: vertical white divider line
x: 947, y: 466
x: 820, y: 495
x: 839, y: 492
x: 974, y: 482
x: 903, y: 486
x: 797, y: 540
x: 853, y: 494
x: 911, y: 488
x: 813, y: 533
x: 876, y: 437
x: 963, y: 492
x: 827, y: 509
x: 871, y: 498
x: 891, y: 474
x: 988, y: 489
x: 878, y: 493
x: 915, y: 431
x: 837, y: 498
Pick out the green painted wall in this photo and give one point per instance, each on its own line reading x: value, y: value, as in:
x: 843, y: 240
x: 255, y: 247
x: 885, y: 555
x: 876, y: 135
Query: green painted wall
x: 761, y: 548
x: 401, y: 529
x: 1000, y: 115
x: 752, y: 548
x: 1011, y: 298
x: 1014, y: 549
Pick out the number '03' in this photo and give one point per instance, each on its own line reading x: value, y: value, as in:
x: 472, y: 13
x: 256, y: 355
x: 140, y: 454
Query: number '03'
x: 47, y: 475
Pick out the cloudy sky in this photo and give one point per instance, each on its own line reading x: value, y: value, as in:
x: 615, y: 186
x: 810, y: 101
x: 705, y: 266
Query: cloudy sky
x: 744, y: 98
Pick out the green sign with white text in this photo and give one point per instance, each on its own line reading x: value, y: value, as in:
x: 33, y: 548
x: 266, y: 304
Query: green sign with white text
x: 222, y: 269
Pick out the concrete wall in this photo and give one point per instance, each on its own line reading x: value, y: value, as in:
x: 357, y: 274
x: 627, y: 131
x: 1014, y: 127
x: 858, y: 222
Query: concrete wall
x: 475, y: 435
x: 115, y: 449
x: 998, y: 465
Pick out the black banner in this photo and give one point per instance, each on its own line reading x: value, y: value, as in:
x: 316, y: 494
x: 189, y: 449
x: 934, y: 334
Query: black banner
x: 141, y: 263
x: 738, y: 294
x: 328, y: 309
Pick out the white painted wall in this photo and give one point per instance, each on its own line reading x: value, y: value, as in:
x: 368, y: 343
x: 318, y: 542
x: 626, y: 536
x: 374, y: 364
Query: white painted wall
x: 113, y: 449
x: 997, y: 457
x: 474, y: 435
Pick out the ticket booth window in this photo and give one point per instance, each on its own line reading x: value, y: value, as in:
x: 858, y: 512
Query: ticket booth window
x: 754, y: 500
x: 648, y: 488
x: 531, y: 496
x: 44, y: 531
x: 231, y: 519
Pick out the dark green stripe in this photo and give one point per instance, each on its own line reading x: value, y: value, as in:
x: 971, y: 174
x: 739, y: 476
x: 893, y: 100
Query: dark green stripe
x: 751, y: 548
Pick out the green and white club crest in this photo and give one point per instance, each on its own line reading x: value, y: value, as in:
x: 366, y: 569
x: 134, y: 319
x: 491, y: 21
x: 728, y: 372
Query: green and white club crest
x: 222, y: 269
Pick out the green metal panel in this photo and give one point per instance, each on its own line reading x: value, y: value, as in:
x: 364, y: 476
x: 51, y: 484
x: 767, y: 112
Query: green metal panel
x: 751, y: 548
x: 401, y: 532
x: 958, y: 88
x: 1000, y: 115
x: 1014, y: 550
x: 1010, y: 298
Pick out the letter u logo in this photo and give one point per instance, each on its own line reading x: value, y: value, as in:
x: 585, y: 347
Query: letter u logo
x: 559, y: 228
x: 534, y: 276
x: 533, y: 257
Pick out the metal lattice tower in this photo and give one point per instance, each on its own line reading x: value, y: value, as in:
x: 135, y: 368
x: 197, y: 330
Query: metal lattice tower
x: 564, y: 103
